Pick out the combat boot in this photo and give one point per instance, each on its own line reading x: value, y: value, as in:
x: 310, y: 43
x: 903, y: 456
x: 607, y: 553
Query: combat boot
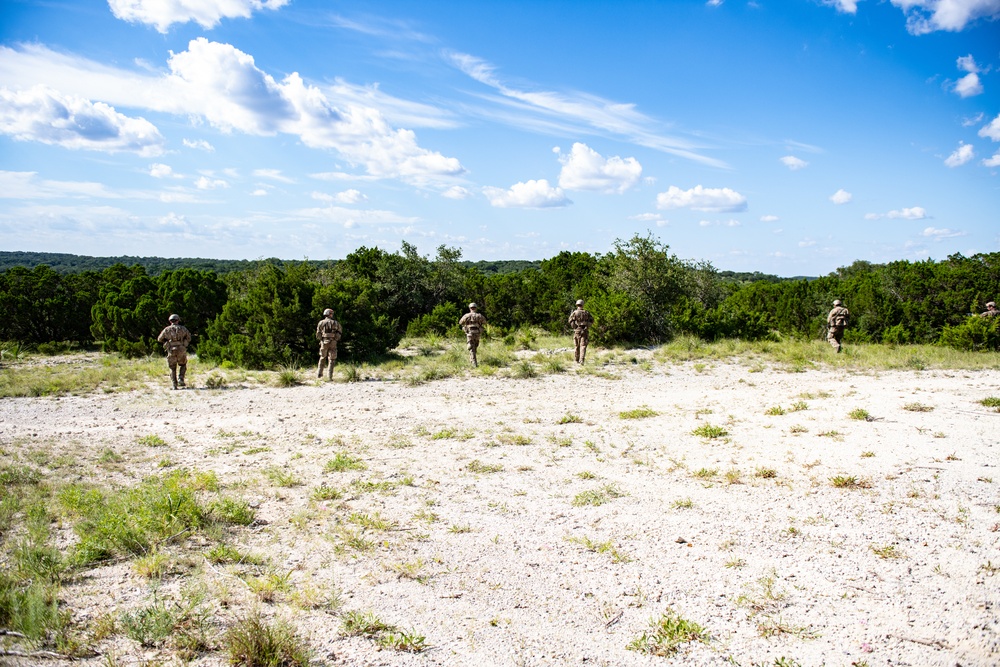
x: 180, y: 378
x: 319, y: 371
x: 583, y: 354
x: 331, y: 372
x: 173, y: 377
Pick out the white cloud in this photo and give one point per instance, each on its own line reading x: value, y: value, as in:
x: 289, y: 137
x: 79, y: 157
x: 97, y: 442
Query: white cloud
x: 351, y: 196
x: 530, y: 194
x: 456, y: 192
x: 158, y: 170
x: 794, y: 163
x: 259, y: 192
x: 719, y: 223
x: 573, y: 113
x: 714, y: 3
x: 938, y: 234
x: 47, y: 116
x: 585, y: 169
x: 200, y: 144
x: 713, y: 200
x: 161, y: 14
x: 273, y: 174
x: 992, y: 161
x: 769, y: 218
x: 205, y: 183
x: 962, y: 154
x: 991, y: 130
x: 806, y: 243
x: 222, y: 85
x: 974, y: 120
x: 844, y: 6
x: 841, y: 196
x: 914, y: 213
x: 926, y: 16
x: 967, y: 63
x: 352, y: 217
x: 968, y: 85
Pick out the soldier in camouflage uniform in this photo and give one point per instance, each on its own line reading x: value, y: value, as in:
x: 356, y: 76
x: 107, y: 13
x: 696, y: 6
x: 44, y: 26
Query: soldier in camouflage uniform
x: 836, y: 322
x: 176, y: 338
x: 991, y: 310
x: 580, y: 321
x: 473, y: 323
x: 328, y: 332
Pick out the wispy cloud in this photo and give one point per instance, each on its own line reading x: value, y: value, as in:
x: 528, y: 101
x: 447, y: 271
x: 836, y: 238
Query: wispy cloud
x: 914, y: 213
x: 939, y: 234
x: 576, y: 111
x: 961, y: 155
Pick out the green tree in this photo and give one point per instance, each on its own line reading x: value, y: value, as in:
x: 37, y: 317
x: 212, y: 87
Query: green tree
x: 126, y: 317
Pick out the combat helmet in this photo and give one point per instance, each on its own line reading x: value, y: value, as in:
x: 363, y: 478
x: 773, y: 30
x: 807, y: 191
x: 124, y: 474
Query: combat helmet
x: 174, y: 318
x: 328, y: 312
x: 837, y: 302
x: 579, y: 302
x: 473, y: 306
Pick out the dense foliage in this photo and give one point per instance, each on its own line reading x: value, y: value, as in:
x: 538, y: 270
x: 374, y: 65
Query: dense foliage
x: 265, y: 313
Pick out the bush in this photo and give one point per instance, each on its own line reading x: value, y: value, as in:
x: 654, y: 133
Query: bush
x: 976, y: 333
x: 443, y: 321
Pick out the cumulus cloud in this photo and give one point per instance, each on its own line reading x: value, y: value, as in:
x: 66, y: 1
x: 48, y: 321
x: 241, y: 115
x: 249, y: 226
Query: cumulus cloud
x: 158, y: 170
x: 991, y: 130
x: 794, y: 163
x: 200, y: 144
x: 914, y: 213
x: 161, y: 14
x: 206, y: 183
x: 938, y: 234
x: 926, y: 16
x: 47, y: 116
x: 992, y: 161
x: 844, y: 6
x: 585, y: 169
x: 351, y: 196
x: 841, y: 196
x: 456, y: 192
x: 714, y: 200
x: 223, y: 86
x: 968, y: 86
x: 961, y: 155
x: 529, y: 194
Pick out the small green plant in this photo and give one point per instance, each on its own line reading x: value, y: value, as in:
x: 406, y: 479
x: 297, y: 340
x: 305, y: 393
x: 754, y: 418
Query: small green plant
x: 570, y: 418
x: 524, y: 370
x: 643, y: 412
x: 252, y: 641
x: 231, y: 510
x: 459, y: 529
x: 762, y: 596
x: 705, y: 473
x: 342, y: 462
x: 597, y: 496
x: 606, y: 547
x: 798, y: 406
x: 478, y: 467
x: 682, y: 504
x: 849, y: 482
x: 324, y: 492
x: 734, y: 476
x: 886, y: 551
x: 861, y: 415
x: 152, y: 441
x: 667, y: 634
x: 775, y: 411
x: 402, y: 640
x: 216, y: 381
x: 736, y: 563
x: 765, y: 473
x: 867, y: 454
x: 918, y: 407
x: 513, y: 439
x: 370, y: 521
x: 709, y: 432
x: 795, y: 429
x: 287, y: 377
x: 282, y: 477
x: 991, y: 402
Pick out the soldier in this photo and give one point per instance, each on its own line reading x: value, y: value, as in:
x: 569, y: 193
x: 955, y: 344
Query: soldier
x: 176, y: 338
x: 580, y: 321
x: 328, y: 332
x: 473, y: 324
x: 837, y: 321
x: 991, y: 310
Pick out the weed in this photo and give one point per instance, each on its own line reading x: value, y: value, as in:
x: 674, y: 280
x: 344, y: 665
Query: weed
x: 831, y: 434
x: 643, y: 412
x: 152, y: 624
x: 798, y: 406
x: 849, y: 482
x: 324, y: 492
x: 667, y: 634
x: 708, y: 431
x: 607, y: 547
x: 478, y: 466
x: 457, y: 529
x: 705, y: 473
x: 765, y: 473
x: 861, y: 415
x: 762, y: 596
x: 775, y: 411
x: 402, y: 640
x: 216, y: 381
x: 867, y: 455
x: 282, y: 477
x: 918, y: 407
x: 287, y: 377
x: 586, y: 474
x: 736, y: 562
x: 734, y: 476
x: 343, y: 462
x: 797, y: 428
x: 223, y: 553
x: 413, y: 570
x: 350, y: 373
x: 252, y: 641
x: 682, y: 504
x: 886, y: 551
x: 110, y: 456
x: 524, y: 370
x: 152, y: 441
x: 267, y: 587
x: 570, y: 418
x: 152, y: 566
x: 513, y: 439
x: 370, y: 522
x: 231, y: 510
x: 771, y: 627
x: 597, y: 496
x: 991, y: 402
x: 988, y: 568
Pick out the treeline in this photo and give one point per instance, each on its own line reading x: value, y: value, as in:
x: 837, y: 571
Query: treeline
x: 265, y: 313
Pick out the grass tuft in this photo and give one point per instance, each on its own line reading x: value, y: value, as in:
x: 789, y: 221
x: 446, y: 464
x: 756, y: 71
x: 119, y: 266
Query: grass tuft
x: 643, y: 412
x: 252, y: 641
x: 667, y: 634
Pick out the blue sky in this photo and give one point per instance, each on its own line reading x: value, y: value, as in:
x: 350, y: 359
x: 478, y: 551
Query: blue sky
x: 787, y: 137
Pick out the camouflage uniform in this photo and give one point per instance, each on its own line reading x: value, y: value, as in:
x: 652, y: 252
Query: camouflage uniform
x: 328, y: 332
x: 580, y: 321
x: 837, y: 321
x: 991, y: 310
x: 175, y: 339
x: 473, y: 324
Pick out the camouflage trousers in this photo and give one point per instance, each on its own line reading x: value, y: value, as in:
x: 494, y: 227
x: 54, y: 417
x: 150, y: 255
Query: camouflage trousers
x: 580, y: 340
x: 834, y: 336
x: 472, y: 343
x: 327, y: 353
x: 177, y: 360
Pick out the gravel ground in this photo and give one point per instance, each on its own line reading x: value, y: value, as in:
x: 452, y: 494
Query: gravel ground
x: 530, y: 522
